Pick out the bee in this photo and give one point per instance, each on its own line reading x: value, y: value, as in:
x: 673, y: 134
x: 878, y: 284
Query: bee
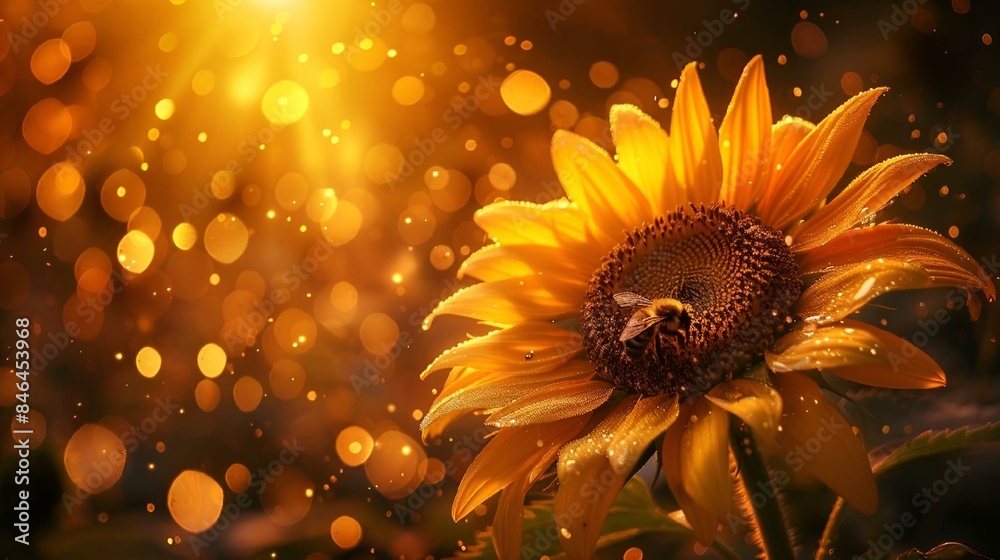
x: 665, y: 315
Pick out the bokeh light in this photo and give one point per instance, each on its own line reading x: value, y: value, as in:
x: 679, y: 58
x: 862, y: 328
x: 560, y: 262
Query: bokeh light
x: 346, y: 532
x: 247, y: 392
x: 354, y: 445
x: 194, y: 500
x: 226, y: 238
x: 51, y: 60
x: 60, y: 191
x: 285, y: 102
x: 47, y: 125
x: 148, y: 361
x: 397, y: 464
x: 94, y: 458
x: 525, y: 92
x: 135, y: 251
x: 211, y: 360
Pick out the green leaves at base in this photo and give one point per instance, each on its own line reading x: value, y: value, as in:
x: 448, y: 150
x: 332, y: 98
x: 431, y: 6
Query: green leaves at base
x: 633, y: 513
x: 933, y: 442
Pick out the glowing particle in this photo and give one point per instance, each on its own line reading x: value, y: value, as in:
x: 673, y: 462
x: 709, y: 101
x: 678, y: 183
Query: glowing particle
x: 211, y: 360
x: 525, y: 92
x: 194, y: 500
x: 184, y: 236
x: 94, y: 458
x: 354, y: 445
x: 345, y: 532
x: 285, y: 102
x: 147, y: 361
x: 164, y: 109
x: 603, y: 74
x: 226, y: 238
x: 135, y: 251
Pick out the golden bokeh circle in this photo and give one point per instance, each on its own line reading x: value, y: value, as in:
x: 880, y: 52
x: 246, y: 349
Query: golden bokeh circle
x: 194, y: 500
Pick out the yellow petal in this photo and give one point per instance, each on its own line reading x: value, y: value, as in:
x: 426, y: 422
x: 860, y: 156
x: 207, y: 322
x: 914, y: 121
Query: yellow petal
x: 694, y: 144
x: 641, y: 146
x: 866, y: 195
x: 559, y: 223
x: 509, y: 518
x: 946, y: 263
x: 592, y: 180
x: 818, y: 162
x: 845, y: 290
x: 745, y: 138
x: 487, y: 392
x: 786, y: 135
x: 514, y: 300
x: 553, y: 402
x: 437, y: 428
x: 588, y: 485
x: 511, y: 454
x: 705, y: 465
x: 473, y: 390
x: 751, y: 401
x: 526, y: 347
x: 818, y: 438
x: 648, y: 420
x: 702, y: 522
x: 858, y: 352
x: 499, y: 262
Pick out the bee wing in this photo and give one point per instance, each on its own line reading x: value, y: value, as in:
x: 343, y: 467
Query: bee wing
x: 629, y: 299
x: 638, y: 325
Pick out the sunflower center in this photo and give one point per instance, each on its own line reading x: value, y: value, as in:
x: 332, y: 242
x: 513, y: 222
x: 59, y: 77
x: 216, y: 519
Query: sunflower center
x: 689, y: 301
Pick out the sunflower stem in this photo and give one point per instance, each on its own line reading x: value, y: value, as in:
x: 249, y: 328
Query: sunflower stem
x: 831, y: 530
x: 770, y: 521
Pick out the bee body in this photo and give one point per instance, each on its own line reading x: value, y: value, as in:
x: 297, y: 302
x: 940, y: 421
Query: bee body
x: 664, y: 316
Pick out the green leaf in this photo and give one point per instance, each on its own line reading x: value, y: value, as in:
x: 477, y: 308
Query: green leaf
x: 633, y: 513
x: 933, y: 442
x: 886, y: 458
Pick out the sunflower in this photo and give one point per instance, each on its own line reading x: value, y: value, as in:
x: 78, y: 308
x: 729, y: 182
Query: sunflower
x: 686, y: 291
